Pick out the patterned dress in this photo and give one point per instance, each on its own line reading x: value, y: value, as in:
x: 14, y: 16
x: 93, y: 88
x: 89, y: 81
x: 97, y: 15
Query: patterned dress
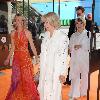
x: 22, y: 84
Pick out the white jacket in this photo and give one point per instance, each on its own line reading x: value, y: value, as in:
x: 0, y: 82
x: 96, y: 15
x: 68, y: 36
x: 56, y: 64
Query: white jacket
x: 52, y: 64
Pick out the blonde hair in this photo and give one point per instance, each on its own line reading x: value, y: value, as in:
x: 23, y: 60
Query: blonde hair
x: 81, y: 19
x: 52, y: 18
x: 23, y: 19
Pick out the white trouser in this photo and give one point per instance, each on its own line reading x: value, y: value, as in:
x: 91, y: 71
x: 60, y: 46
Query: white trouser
x: 79, y: 88
x: 84, y: 84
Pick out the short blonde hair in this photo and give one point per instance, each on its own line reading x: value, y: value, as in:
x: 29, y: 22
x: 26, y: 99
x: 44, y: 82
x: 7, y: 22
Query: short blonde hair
x: 81, y: 19
x: 52, y: 18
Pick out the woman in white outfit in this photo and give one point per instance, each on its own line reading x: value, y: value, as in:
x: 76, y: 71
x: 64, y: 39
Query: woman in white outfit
x: 79, y: 46
x: 53, y: 64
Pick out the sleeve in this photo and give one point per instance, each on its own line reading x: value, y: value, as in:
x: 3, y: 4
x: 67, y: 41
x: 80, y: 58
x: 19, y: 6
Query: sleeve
x: 86, y: 43
x: 71, y: 42
x: 62, y: 54
x: 71, y: 28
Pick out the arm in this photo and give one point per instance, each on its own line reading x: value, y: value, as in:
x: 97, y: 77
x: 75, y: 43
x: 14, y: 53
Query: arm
x: 29, y: 36
x: 86, y: 44
x: 62, y: 58
x: 71, y: 43
x: 11, y: 50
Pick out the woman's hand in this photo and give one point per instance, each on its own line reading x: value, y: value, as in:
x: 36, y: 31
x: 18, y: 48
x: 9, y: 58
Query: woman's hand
x: 62, y: 78
x: 37, y: 60
x: 6, y: 62
x: 76, y: 47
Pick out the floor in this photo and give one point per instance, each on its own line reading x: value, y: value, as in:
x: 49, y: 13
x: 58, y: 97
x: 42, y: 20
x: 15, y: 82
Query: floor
x: 5, y: 77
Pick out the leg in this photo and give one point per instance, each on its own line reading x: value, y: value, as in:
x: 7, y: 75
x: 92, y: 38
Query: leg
x: 84, y: 84
x: 75, y: 89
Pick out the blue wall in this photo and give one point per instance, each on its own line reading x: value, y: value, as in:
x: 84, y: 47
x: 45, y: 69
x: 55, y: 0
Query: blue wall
x: 97, y: 12
x: 67, y: 9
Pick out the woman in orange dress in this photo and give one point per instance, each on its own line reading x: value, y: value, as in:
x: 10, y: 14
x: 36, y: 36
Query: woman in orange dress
x: 22, y: 84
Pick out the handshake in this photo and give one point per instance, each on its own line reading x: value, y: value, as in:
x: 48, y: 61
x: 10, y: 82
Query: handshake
x: 36, y: 59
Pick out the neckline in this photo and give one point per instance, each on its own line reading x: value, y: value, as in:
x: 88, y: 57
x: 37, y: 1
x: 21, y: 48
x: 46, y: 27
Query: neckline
x: 19, y: 34
x: 53, y: 34
x: 79, y: 33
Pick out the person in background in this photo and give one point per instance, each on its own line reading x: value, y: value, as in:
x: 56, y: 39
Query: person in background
x: 3, y: 25
x: 89, y: 16
x: 94, y: 30
x: 22, y: 84
x: 95, y: 26
x: 53, y: 65
x: 33, y: 27
x: 79, y: 46
x: 80, y: 12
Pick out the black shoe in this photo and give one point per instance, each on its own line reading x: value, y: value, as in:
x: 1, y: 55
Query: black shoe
x: 67, y: 83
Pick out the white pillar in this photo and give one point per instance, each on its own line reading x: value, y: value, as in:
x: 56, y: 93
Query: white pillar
x: 9, y: 17
x: 9, y: 23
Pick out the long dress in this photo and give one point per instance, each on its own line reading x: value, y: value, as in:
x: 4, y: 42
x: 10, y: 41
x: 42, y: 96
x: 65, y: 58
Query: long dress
x: 22, y: 84
x: 53, y: 63
x: 79, y: 58
x: 79, y: 63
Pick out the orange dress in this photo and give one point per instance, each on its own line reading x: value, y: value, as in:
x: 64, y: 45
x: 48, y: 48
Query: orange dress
x: 22, y: 84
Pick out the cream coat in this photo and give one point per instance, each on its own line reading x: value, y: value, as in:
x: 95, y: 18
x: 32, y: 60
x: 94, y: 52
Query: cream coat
x: 52, y: 64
